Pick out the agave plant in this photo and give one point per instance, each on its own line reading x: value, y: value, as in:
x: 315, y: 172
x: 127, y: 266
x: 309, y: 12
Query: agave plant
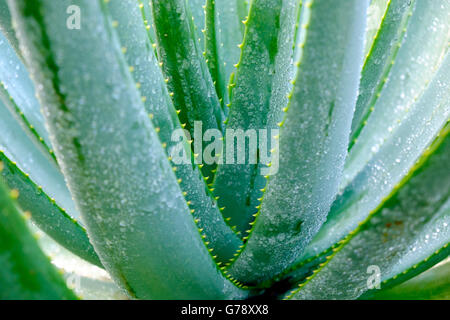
x: 348, y: 196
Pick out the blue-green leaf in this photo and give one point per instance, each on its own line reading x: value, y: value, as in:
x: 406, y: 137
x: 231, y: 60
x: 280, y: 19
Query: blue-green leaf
x: 25, y: 273
x: 406, y: 235
x: 109, y: 151
x: 224, y: 34
x: 31, y: 159
x: 261, y: 87
x: 379, y: 61
x: 18, y: 94
x: 6, y: 26
x: 46, y: 213
x: 409, y: 50
x: 389, y: 166
x: 313, y: 140
x: 29, y: 150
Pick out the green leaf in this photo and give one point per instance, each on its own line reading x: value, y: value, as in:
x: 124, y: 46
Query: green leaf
x: 158, y: 104
x: 389, y: 166
x: 430, y: 285
x: 33, y: 160
x: 109, y: 151
x: 86, y: 280
x: 406, y: 235
x: 224, y: 34
x: 188, y: 76
x: 313, y: 141
x: 6, y: 26
x: 34, y: 157
x: 26, y: 273
x: 378, y: 64
x: 261, y: 87
x: 243, y: 7
x: 400, y: 67
x: 376, y: 14
x: 18, y: 94
x: 46, y: 213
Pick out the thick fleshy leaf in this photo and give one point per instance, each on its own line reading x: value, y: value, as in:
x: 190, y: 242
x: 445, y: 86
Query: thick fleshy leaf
x: 157, y: 102
x: 6, y: 26
x: 430, y: 285
x: 313, y: 140
x: 406, y: 235
x: 389, y: 166
x: 33, y: 160
x: 109, y: 151
x: 189, y: 80
x: 25, y: 146
x: 261, y: 87
x: 224, y: 34
x: 25, y: 273
x: 410, y: 48
x: 46, y: 213
x: 18, y: 94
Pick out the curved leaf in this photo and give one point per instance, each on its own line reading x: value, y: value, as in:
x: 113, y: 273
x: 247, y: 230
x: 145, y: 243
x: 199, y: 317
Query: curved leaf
x: 389, y: 166
x: 18, y: 94
x: 109, y: 151
x: 405, y: 236
x: 31, y: 159
x: 313, y: 141
x: 46, y: 214
x: 157, y: 102
x: 261, y: 86
x: 35, y: 158
x: 378, y: 64
x: 26, y: 273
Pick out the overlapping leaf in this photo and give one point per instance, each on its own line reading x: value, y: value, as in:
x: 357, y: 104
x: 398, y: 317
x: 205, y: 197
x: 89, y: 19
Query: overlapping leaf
x: 313, y: 141
x: 224, y: 34
x: 110, y: 153
x: 405, y: 236
x: 26, y: 273
x: 389, y: 165
x: 157, y: 102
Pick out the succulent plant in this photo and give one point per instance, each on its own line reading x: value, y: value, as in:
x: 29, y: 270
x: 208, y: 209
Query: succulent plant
x: 344, y: 196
